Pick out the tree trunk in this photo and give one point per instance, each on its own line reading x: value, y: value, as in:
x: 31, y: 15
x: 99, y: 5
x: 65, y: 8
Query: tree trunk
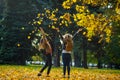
x: 85, y: 53
x: 100, y: 52
x: 57, y: 59
x: 99, y: 65
x: 117, y: 66
x: 77, y: 59
x: 56, y: 56
x: 57, y: 50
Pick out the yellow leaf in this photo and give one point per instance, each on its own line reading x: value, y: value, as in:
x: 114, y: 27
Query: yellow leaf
x: 38, y: 15
x: 18, y: 45
x: 28, y: 37
x: 84, y: 33
x: 89, y: 39
x: 53, y: 27
x: 39, y: 22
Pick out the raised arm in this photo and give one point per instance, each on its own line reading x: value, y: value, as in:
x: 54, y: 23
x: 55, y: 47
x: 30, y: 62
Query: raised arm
x: 42, y: 32
x: 44, y: 35
x: 77, y: 32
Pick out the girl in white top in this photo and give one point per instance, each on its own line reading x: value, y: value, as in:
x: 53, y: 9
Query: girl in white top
x: 66, y: 51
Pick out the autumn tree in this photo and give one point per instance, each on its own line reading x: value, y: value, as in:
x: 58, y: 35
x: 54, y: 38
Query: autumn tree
x: 94, y: 16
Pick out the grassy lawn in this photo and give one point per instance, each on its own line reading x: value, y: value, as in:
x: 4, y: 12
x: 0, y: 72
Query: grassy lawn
x: 13, y: 72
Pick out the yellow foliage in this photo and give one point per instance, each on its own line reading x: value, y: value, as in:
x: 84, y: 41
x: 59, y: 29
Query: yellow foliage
x: 39, y: 22
x: 67, y: 4
x: 95, y: 24
x: 30, y: 73
x: 66, y: 16
x: 108, y: 39
x: 52, y: 17
x: 96, y: 2
x: 75, y: 17
x: 80, y: 9
x: 78, y: 16
x: 65, y: 19
x: 74, y: 1
x: 47, y: 11
x: 118, y: 8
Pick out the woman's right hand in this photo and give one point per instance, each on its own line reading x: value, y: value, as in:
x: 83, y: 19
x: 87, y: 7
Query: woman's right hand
x: 79, y: 30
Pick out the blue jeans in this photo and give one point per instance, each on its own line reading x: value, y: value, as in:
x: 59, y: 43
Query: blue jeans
x: 66, y: 58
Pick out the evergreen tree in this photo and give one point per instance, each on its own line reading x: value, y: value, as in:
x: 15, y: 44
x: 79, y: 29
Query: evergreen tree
x: 16, y: 44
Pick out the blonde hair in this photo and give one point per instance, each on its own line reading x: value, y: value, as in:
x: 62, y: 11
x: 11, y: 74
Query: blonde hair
x: 68, y: 37
x: 69, y: 42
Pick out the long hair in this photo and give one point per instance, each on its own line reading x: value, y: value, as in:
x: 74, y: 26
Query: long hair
x: 41, y: 44
x: 68, y: 42
x: 68, y: 38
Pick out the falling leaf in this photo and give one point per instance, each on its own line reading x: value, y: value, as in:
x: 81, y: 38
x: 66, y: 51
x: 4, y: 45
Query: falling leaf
x: 18, y: 45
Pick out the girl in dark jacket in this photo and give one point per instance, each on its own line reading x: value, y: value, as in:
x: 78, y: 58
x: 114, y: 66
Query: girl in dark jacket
x: 44, y: 44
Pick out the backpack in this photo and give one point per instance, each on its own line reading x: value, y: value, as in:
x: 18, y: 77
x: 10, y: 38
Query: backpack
x: 69, y: 46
